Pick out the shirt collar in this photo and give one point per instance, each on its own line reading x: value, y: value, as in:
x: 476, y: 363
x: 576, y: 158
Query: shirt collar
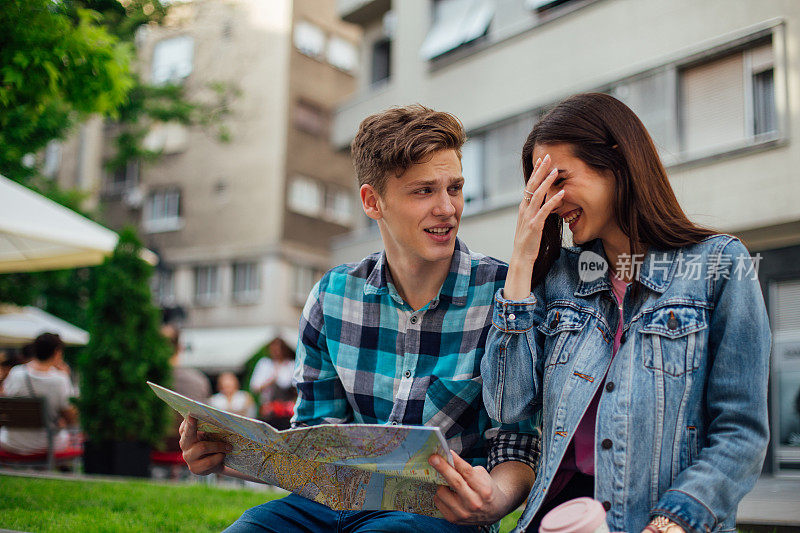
x: 455, y: 287
x: 655, y: 271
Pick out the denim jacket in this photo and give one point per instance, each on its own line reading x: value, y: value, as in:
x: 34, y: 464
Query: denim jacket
x: 682, y: 420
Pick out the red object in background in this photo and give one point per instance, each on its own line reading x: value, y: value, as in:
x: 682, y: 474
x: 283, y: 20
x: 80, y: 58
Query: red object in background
x: 166, y: 458
x: 63, y: 455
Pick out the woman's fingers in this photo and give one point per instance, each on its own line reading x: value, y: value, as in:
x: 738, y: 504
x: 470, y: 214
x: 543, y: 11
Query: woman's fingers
x: 548, y: 207
x: 541, y: 192
x: 540, y: 170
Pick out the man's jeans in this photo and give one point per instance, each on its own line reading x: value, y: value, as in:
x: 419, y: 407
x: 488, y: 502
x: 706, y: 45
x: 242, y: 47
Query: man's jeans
x: 295, y: 513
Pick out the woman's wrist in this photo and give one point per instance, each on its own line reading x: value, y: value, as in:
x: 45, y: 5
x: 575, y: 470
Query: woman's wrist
x: 518, y: 279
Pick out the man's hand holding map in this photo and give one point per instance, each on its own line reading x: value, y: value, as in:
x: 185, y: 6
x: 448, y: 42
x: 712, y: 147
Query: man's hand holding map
x: 344, y: 466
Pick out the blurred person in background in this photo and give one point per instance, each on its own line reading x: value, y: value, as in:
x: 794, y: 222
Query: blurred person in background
x: 272, y: 383
x: 189, y: 382
x: 230, y: 398
x: 44, y: 376
x: 6, y: 363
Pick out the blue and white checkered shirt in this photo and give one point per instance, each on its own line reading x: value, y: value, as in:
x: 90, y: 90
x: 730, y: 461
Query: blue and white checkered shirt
x: 365, y: 356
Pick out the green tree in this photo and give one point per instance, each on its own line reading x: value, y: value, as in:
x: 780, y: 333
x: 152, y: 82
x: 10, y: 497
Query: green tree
x: 126, y: 350
x: 57, y: 63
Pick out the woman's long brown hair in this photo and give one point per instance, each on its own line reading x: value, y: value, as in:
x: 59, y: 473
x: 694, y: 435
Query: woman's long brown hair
x: 606, y: 135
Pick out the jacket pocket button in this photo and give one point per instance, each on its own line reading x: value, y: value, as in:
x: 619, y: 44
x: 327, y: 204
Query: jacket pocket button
x: 672, y: 323
x: 606, y: 444
x: 607, y: 505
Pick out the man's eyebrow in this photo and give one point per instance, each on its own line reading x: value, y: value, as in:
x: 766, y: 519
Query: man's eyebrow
x: 422, y: 182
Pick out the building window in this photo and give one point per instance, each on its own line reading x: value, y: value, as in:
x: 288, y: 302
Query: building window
x: 164, y: 287
x: 716, y: 112
x: 473, y: 170
x: 311, y: 118
x: 309, y: 39
x: 503, y: 163
x: 305, y: 196
x: 785, y: 369
x: 206, y: 284
x: 339, y: 206
x: 764, y: 102
x: 303, y: 280
x: 245, y: 282
x: 652, y: 97
x: 162, y: 211
x: 381, y: 60
x: 342, y: 54
x: 456, y: 23
x: 123, y: 179
x: 172, y: 60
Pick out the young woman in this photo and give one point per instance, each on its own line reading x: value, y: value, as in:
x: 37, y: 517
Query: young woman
x: 646, y: 345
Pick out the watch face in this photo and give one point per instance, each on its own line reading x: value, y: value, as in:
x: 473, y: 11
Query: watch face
x: 661, y: 522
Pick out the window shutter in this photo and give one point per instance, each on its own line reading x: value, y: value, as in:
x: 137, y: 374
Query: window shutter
x: 713, y: 107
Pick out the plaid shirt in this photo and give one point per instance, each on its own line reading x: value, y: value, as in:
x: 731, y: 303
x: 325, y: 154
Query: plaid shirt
x: 365, y: 356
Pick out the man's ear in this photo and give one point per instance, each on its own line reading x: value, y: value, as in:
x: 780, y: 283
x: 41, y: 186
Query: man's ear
x: 370, y: 201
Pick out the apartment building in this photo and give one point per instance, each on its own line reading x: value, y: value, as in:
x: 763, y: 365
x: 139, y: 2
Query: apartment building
x: 240, y: 211
x: 715, y: 82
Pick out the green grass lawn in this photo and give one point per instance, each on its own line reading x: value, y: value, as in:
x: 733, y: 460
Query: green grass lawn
x: 42, y: 505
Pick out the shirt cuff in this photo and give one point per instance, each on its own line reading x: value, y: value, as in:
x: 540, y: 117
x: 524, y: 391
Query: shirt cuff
x: 686, y: 511
x: 510, y: 316
x: 508, y: 446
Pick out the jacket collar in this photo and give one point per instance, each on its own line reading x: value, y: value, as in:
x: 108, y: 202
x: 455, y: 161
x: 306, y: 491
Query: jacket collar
x: 454, y: 289
x: 655, y: 271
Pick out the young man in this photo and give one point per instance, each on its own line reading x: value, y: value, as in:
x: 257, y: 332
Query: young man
x: 398, y: 339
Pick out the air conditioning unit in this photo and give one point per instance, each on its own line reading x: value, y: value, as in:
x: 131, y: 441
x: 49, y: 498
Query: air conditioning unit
x: 133, y: 197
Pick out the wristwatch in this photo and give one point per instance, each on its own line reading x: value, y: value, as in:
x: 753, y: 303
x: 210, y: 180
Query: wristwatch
x: 662, y: 524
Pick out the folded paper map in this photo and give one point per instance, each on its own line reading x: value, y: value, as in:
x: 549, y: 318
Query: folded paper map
x: 344, y: 466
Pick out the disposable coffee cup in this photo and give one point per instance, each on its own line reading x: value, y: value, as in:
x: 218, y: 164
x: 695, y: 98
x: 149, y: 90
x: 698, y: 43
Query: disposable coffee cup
x: 581, y: 515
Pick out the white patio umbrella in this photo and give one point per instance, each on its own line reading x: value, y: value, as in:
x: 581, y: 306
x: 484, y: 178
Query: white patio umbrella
x: 39, y: 234
x: 21, y: 325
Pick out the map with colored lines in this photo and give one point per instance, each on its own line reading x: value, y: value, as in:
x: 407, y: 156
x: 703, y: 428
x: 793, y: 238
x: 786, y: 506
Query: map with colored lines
x: 344, y: 466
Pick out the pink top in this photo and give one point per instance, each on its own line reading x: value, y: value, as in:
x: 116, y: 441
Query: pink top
x: 579, y: 456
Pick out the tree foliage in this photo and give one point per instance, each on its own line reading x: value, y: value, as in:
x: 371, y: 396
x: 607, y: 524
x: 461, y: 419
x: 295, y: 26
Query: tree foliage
x: 57, y: 63
x: 126, y: 350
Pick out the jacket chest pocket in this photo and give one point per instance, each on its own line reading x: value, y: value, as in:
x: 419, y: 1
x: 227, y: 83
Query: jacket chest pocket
x: 561, y: 328
x: 670, y: 339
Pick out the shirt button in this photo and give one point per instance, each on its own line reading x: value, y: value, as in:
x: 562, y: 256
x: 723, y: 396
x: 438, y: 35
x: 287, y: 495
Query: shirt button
x: 394, y: 422
x: 413, y: 319
x: 609, y: 386
x: 407, y: 373
x: 607, y: 505
x: 512, y: 316
x: 606, y: 444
